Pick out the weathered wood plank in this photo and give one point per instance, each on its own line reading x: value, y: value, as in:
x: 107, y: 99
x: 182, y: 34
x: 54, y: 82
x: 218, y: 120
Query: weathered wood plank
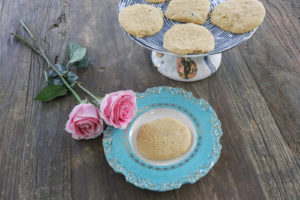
x: 255, y: 94
x: 246, y: 165
x: 276, y: 68
x: 264, y: 145
x: 34, y: 149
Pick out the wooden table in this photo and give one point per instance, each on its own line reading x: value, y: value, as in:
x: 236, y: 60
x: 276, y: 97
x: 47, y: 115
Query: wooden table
x: 255, y: 92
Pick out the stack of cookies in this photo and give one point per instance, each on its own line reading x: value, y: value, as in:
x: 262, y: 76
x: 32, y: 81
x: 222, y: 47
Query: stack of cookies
x: 190, y: 37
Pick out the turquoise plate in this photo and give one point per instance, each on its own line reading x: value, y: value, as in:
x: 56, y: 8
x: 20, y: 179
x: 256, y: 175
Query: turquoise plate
x: 123, y: 156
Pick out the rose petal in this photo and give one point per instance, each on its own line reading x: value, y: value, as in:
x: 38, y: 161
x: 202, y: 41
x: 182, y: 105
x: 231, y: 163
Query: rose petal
x: 84, y: 122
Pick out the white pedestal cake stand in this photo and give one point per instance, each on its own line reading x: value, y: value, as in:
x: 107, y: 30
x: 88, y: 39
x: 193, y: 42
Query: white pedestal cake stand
x: 186, y: 68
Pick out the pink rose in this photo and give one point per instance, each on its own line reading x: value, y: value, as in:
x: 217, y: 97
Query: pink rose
x: 84, y: 122
x: 118, y: 108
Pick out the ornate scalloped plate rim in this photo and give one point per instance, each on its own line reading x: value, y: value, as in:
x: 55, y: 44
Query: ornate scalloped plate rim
x: 193, y: 176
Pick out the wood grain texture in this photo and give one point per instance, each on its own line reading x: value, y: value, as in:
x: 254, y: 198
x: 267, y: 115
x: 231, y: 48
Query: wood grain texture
x: 276, y: 68
x: 34, y: 149
x: 255, y: 92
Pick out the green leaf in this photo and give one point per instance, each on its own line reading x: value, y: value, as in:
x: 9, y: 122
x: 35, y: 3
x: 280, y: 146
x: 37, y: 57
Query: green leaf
x: 72, y: 77
x: 52, y: 73
x: 83, y: 63
x: 51, y: 92
x: 71, y: 47
x: 77, y: 55
x: 61, y: 68
x: 55, y: 81
x: 58, y: 81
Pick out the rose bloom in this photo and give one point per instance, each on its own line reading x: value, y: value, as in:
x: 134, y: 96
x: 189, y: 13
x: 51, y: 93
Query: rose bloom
x: 84, y: 122
x: 118, y: 108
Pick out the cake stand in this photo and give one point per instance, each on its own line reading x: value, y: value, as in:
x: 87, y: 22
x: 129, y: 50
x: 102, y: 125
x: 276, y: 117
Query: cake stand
x: 192, y: 67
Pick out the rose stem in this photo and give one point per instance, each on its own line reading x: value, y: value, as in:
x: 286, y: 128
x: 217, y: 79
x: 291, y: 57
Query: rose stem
x: 27, y: 29
x: 89, y: 93
x: 61, y: 77
x: 34, y: 41
x: 43, y: 55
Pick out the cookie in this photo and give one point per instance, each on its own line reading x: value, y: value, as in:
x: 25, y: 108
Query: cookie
x: 163, y: 139
x: 188, y: 39
x: 141, y: 20
x: 194, y: 11
x: 238, y: 16
x: 156, y: 1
